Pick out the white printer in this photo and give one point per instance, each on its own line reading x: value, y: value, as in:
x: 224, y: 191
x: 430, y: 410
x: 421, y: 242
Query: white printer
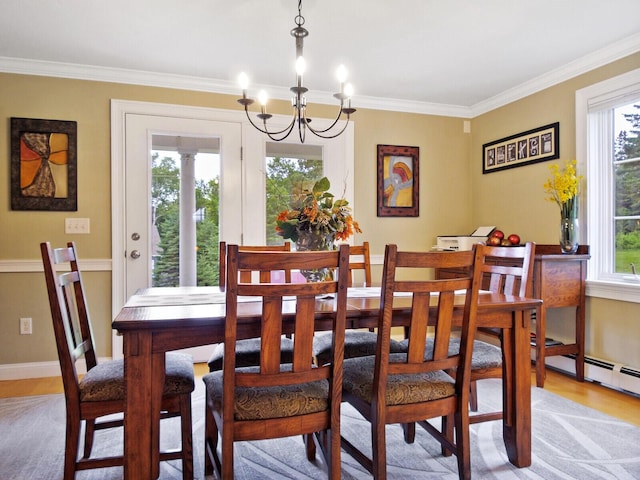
x: 463, y: 242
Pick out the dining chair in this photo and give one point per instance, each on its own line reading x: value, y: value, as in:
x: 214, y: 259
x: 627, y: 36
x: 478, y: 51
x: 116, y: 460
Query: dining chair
x: 248, y: 350
x: 357, y: 343
x: 101, y: 391
x: 506, y: 270
x: 389, y: 388
x: 273, y: 400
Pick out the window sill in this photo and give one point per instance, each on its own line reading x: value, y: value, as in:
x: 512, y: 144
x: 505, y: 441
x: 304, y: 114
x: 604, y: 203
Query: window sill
x: 626, y: 292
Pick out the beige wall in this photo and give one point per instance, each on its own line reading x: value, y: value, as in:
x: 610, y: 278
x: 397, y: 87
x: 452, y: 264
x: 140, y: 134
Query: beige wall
x: 454, y: 195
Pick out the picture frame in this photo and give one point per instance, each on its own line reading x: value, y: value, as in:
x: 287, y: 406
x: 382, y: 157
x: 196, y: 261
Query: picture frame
x: 44, y: 169
x: 398, y: 172
x: 533, y: 146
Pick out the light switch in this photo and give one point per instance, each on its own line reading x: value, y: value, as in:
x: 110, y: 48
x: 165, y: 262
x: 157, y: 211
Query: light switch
x: 76, y: 225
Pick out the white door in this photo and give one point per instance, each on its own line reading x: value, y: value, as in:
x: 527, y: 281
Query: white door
x: 139, y: 130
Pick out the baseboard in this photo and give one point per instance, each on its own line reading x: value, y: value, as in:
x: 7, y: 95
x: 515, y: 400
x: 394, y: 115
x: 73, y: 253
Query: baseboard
x: 608, y: 374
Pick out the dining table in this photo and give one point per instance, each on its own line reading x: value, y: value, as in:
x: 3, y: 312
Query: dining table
x: 160, y: 319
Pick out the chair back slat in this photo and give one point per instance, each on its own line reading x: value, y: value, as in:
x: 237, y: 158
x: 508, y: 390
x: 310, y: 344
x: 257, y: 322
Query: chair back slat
x: 245, y: 275
x: 283, y: 303
x: 360, y: 259
x: 508, y: 270
x: 69, y: 312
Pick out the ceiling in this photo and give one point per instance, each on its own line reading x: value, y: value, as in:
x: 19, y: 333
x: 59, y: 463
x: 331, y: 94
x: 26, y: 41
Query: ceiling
x: 458, y: 57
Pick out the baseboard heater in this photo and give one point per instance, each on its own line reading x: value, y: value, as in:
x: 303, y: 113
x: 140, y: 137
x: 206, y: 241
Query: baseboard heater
x: 614, y: 375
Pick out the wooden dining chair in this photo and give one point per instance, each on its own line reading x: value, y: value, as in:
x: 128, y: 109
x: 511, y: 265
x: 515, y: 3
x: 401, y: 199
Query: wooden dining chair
x: 357, y: 343
x: 272, y: 400
x: 248, y: 350
x: 506, y: 270
x: 390, y: 388
x: 101, y: 391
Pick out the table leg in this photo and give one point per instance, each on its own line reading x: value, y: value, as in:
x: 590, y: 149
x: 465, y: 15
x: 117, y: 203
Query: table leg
x: 138, y: 435
x: 517, y: 413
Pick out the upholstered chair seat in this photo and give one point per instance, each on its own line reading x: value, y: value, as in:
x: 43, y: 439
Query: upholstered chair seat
x: 261, y: 403
x: 248, y: 353
x: 401, y: 389
x: 105, y: 381
x: 356, y: 344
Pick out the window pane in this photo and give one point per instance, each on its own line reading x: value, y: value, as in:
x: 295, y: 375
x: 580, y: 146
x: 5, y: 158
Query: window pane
x: 166, y: 218
x: 283, y: 175
x: 627, y: 187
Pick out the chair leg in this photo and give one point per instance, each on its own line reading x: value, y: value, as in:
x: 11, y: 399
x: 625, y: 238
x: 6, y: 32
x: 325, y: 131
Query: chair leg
x: 187, y: 437
x: 379, y: 450
x: 463, y: 445
x: 89, y: 430
x: 310, y: 446
x: 210, y: 443
x: 448, y: 432
x: 71, y: 448
x: 473, y: 397
x: 409, y: 432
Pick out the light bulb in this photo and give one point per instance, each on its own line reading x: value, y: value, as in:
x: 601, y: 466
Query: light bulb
x: 243, y: 80
x: 342, y: 74
x: 262, y: 97
x: 348, y: 90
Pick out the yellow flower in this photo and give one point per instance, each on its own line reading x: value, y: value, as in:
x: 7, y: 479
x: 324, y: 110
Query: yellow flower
x: 563, y: 187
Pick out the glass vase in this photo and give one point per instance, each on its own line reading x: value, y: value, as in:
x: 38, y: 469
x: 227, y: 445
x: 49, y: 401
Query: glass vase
x: 569, y: 230
x: 315, y: 241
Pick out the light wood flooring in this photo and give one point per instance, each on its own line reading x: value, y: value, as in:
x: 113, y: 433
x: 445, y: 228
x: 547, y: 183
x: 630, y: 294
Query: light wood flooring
x: 612, y: 402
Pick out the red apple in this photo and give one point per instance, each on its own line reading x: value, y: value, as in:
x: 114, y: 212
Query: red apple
x: 493, y: 241
x: 498, y: 233
x: 514, y: 239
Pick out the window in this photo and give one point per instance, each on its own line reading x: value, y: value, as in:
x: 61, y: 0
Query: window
x: 608, y: 150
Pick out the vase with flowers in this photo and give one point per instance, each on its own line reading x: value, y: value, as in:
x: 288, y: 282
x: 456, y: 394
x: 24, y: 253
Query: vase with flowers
x: 563, y: 188
x: 315, y: 219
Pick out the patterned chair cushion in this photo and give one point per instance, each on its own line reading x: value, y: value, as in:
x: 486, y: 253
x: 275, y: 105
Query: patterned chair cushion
x: 401, y: 389
x: 106, y: 380
x: 356, y: 344
x: 259, y: 403
x: 248, y: 353
x: 484, y: 354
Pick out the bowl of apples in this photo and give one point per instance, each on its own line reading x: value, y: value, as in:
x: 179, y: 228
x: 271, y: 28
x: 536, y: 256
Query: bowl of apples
x: 498, y: 238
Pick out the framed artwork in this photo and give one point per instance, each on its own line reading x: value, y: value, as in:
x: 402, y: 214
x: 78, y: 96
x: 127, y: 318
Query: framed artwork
x: 44, y: 169
x: 533, y: 146
x: 398, y: 181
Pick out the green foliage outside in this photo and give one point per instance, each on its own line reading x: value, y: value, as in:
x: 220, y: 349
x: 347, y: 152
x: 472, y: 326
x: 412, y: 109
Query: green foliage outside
x: 282, y: 175
x: 627, y: 177
x: 166, y: 207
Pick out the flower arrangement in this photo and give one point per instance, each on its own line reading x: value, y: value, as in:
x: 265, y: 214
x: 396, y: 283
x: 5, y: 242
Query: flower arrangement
x: 563, y: 188
x: 316, y: 210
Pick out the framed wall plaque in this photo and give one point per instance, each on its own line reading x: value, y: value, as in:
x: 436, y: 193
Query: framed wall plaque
x: 398, y: 181
x: 533, y: 146
x: 44, y: 170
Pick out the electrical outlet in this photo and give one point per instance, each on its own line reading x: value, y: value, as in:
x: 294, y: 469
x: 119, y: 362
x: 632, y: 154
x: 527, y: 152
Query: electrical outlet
x: 26, y: 327
x: 76, y: 225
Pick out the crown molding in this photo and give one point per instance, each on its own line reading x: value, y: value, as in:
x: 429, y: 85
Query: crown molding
x: 599, y: 58
x: 582, y: 65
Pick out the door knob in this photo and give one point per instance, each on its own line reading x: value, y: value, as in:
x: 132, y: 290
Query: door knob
x: 135, y: 254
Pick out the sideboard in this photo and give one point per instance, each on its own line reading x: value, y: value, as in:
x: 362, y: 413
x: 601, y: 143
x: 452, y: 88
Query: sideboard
x: 559, y: 280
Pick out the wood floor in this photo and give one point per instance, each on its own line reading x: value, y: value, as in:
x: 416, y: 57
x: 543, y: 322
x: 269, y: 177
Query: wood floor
x: 612, y: 402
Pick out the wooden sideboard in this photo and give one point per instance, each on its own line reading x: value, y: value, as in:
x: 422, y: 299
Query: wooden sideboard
x: 559, y: 281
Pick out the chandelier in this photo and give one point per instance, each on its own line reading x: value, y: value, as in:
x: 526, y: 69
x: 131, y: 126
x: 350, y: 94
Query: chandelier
x: 298, y: 100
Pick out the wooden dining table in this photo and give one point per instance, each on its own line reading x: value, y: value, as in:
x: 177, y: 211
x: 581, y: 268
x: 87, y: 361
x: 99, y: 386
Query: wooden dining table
x: 161, y: 319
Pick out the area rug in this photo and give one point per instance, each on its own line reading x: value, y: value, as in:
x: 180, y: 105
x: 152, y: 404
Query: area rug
x: 569, y: 441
